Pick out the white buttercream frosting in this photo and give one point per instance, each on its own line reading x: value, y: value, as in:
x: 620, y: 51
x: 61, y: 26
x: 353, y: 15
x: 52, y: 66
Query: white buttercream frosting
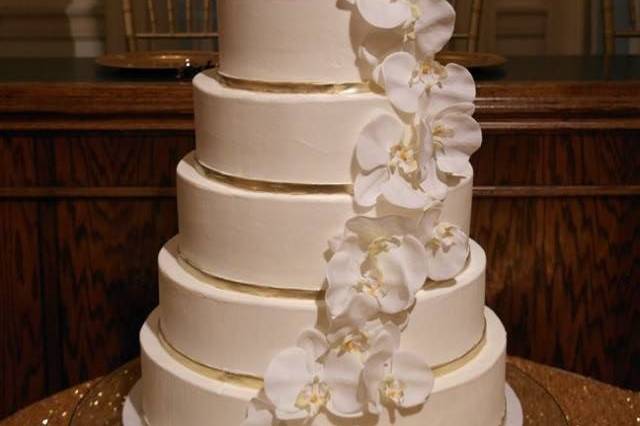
x: 281, y: 137
x: 290, y: 40
x: 176, y: 391
x: 275, y: 239
x: 241, y: 332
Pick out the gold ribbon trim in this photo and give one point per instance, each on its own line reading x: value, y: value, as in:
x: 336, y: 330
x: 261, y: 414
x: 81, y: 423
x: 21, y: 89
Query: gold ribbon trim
x: 272, y: 187
x: 250, y: 289
x: 241, y: 380
x: 253, y: 382
x: 293, y: 88
x: 263, y: 290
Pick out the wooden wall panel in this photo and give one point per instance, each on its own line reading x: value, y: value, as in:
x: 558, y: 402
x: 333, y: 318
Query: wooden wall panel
x: 78, y: 271
x: 563, y: 271
x: 22, y: 367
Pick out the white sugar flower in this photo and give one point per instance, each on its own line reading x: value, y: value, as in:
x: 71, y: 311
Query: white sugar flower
x: 379, y: 266
x: 361, y: 337
x: 302, y: 380
x: 424, y: 86
x: 447, y: 246
x: 428, y: 24
x: 455, y: 137
x: 397, y: 164
x: 259, y: 412
x: 396, y: 378
x: 454, y: 92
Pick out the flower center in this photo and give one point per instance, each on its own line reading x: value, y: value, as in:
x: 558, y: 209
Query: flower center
x: 313, y: 397
x: 392, y: 390
x: 378, y: 246
x: 404, y: 155
x: 356, y: 342
x: 440, y: 132
x: 372, y: 283
x: 442, y: 236
x: 432, y: 73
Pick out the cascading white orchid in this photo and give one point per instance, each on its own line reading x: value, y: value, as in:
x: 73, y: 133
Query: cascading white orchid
x: 395, y: 378
x: 447, y: 245
x: 361, y: 337
x: 260, y: 412
x: 397, y: 163
x: 455, y: 136
x: 302, y: 380
x: 423, y: 87
x: 378, y: 266
x: 423, y: 26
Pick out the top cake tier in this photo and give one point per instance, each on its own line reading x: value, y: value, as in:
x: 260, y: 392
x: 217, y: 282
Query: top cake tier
x: 296, y: 41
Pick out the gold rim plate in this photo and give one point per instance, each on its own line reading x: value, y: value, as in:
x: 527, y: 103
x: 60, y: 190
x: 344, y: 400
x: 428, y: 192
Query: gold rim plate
x: 472, y: 60
x: 158, y: 60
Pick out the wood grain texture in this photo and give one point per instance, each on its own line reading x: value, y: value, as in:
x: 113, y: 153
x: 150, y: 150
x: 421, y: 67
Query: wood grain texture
x: 78, y: 274
x: 563, y: 271
x: 22, y: 367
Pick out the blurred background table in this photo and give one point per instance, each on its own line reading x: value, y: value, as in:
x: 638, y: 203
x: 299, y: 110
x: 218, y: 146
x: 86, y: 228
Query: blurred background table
x: 87, y: 198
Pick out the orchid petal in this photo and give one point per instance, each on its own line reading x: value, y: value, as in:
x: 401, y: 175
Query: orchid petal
x: 413, y: 257
x: 428, y: 222
x: 286, y: 376
x: 376, y: 139
x: 458, y: 87
x: 342, y: 375
x: 396, y: 296
x: 435, y: 27
x: 400, y: 83
x: 369, y: 229
x: 466, y: 138
x: 400, y: 193
x: 367, y: 188
x: 259, y: 412
x: 467, y: 108
x: 416, y: 376
x: 377, y: 46
x: 343, y: 273
x: 448, y: 260
x: 372, y: 375
x: 359, y: 310
x: 384, y: 14
x: 388, y: 340
x: 313, y: 342
x: 433, y: 187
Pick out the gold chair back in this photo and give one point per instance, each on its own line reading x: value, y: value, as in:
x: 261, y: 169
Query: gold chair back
x: 174, y: 26
x: 472, y: 35
x: 609, y: 25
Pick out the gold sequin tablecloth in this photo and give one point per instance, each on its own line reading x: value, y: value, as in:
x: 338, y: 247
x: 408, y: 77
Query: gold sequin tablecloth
x: 585, y: 402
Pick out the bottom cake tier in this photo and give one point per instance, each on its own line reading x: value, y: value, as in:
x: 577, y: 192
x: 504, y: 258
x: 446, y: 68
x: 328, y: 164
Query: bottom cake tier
x: 178, y: 391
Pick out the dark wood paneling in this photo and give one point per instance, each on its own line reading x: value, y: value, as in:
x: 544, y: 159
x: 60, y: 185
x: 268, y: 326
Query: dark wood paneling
x: 563, y: 252
x: 22, y: 370
x: 82, y: 218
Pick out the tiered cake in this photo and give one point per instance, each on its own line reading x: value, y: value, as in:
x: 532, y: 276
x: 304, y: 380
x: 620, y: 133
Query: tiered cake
x: 323, y: 272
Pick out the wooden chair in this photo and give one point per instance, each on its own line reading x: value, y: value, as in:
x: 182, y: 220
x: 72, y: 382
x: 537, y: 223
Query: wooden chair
x: 171, y: 29
x: 472, y: 36
x: 610, y: 32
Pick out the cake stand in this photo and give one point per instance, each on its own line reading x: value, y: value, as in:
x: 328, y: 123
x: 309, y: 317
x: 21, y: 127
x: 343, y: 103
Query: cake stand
x: 116, y: 400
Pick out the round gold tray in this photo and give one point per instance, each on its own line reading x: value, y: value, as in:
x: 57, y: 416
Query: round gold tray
x: 472, y: 60
x: 158, y: 60
x: 102, y: 405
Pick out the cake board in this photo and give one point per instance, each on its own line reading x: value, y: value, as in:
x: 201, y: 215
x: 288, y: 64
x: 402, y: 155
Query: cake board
x: 132, y: 410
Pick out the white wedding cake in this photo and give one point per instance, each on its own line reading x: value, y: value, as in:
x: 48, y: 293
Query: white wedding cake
x: 323, y: 272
